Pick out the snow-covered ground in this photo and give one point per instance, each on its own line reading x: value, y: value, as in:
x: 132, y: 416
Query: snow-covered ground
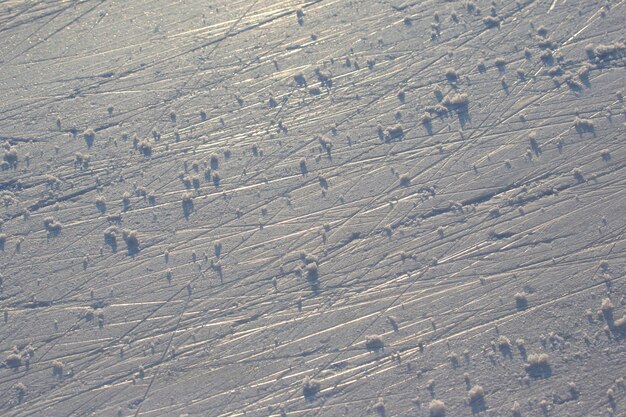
x: 313, y: 208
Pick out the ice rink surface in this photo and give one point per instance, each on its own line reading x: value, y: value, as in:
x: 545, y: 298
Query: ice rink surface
x: 313, y: 208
